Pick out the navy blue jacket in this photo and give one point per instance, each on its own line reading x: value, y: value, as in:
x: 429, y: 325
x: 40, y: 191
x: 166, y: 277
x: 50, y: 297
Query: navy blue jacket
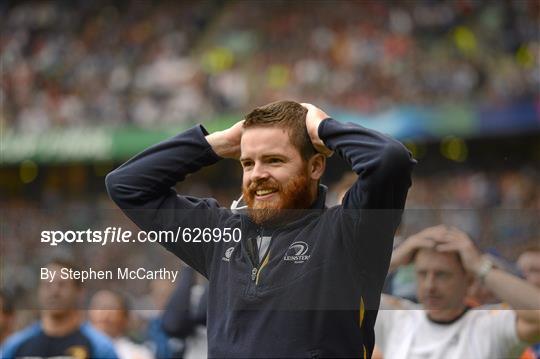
x: 317, y: 291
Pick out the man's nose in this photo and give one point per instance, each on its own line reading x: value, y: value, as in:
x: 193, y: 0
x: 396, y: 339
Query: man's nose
x: 429, y: 281
x: 259, y: 172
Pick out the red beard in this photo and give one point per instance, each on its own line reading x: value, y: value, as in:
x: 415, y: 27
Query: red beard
x: 294, y: 194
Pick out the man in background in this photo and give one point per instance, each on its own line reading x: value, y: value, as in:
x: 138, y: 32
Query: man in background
x: 184, y: 316
x: 162, y: 344
x: 109, y: 312
x: 61, y: 332
x: 446, y: 263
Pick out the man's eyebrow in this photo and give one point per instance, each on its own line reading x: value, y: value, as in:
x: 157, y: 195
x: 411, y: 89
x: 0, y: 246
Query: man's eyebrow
x: 265, y: 156
x: 274, y: 155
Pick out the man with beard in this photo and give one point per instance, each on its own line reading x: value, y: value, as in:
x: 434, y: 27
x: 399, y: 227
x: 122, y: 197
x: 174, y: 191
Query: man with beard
x: 304, y: 280
x: 62, y: 331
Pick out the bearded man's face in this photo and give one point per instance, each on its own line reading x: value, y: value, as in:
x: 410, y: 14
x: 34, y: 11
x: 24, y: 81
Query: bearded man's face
x: 275, y: 176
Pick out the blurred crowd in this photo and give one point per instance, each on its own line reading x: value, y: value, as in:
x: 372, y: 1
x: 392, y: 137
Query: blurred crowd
x: 79, y: 63
x: 497, y: 208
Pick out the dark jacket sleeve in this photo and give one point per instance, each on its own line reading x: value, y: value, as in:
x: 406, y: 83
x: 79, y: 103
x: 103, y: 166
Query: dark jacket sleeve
x: 372, y: 207
x: 180, y: 318
x: 383, y: 165
x: 143, y: 188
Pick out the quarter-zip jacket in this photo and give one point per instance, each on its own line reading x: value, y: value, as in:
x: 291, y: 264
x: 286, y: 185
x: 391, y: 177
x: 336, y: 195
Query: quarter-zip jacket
x: 316, y: 293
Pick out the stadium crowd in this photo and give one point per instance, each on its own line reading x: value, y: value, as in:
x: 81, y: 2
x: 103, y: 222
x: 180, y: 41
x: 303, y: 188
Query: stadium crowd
x: 148, y: 63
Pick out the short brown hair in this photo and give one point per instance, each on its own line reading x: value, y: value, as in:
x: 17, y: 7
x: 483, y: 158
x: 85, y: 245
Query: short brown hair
x: 289, y: 115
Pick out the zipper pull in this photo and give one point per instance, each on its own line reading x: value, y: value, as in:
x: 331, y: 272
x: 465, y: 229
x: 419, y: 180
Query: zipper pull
x: 254, y: 274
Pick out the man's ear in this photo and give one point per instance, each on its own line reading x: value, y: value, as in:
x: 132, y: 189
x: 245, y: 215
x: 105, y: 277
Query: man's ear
x: 316, y: 166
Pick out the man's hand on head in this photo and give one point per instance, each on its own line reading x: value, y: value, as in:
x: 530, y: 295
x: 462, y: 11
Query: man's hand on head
x: 314, y: 117
x: 440, y: 238
x: 404, y: 253
x: 226, y: 143
x: 458, y: 241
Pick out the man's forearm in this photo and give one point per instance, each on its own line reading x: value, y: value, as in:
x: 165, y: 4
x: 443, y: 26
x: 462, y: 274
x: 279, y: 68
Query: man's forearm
x: 365, y: 149
x: 151, y: 173
x: 523, y: 297
x: 383, y: 165
x: 143, y: 188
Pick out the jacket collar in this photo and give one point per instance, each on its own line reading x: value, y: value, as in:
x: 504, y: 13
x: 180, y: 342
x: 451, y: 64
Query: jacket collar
x: 320, y: 202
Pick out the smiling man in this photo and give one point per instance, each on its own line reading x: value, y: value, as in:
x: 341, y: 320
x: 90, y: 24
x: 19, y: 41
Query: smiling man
x: 304, y: 280
x: 281, y: 166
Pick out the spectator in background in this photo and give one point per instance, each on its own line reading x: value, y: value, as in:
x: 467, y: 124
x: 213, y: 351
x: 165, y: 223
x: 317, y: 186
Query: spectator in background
x: 529, y: 264
x: 163, y: 345
x: 185, y: 314
x: 446, y: 262
x: 61, y: 330
x: 7, y: 315
x: 109, y: 312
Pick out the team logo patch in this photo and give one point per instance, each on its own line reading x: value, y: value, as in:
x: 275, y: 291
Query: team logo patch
x: 297, y: 252
x: 228, y: 254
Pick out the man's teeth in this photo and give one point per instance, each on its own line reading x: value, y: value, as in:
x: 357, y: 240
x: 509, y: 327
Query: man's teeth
x: 263, y: 192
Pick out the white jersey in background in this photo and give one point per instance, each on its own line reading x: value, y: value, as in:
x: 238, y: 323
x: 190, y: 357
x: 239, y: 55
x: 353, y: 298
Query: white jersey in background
x: 480, y: 333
